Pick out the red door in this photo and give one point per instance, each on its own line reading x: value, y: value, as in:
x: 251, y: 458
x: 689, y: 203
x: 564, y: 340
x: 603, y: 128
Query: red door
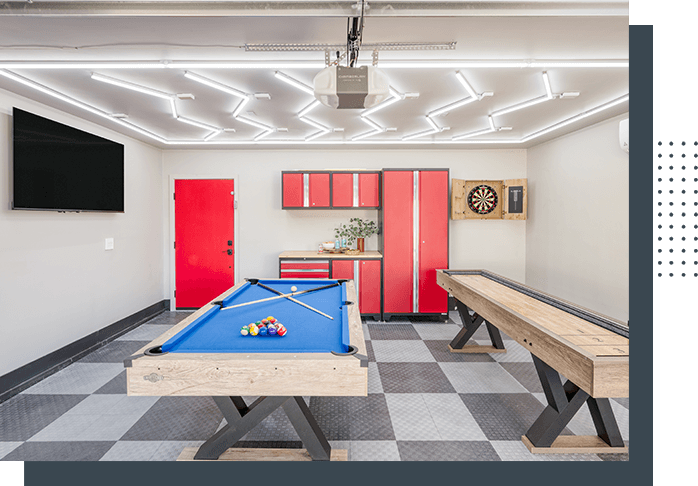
x: 343, y: 269
x: 204, y: 240
x: 433, y: 239
x: 342, y: 190
x: 398, y: 196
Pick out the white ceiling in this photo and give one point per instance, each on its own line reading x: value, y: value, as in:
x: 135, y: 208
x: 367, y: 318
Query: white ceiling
x: 104, y: 39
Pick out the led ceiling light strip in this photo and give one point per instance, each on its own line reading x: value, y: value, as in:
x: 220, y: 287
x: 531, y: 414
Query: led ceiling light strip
x: 492, y: 128
x: 519, y: 106
x: 294, y: 82
x: 474, y: 96
x: 173, y: 105
x: 308, y: 108
x: 215, y: 84
x: 395, y: 96
x: 195, y: 123
x: 245, y: 98
x: 573, y: 119
x: 132, y: 86
x: 212, y: 134
x: 376, y: 129
x: 60, y: 96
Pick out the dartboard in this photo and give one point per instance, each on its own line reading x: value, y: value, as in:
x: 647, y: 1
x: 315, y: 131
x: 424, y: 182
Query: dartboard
x: 482, y: 199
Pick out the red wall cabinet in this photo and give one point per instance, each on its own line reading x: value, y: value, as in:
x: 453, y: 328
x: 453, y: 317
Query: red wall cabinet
x: 305, y: 190
x: 414, y: 240
x: 329, y: 189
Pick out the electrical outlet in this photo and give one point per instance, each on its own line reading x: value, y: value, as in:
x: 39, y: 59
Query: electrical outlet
x: 109, y: 243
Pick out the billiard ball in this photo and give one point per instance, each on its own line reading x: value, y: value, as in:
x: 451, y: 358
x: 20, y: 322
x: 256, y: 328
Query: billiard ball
x: 263, y: 331
x: 265, y: 321
x: 294, y: 288
x: 245, y: 330
x: 271, y: 319
x: 254, y: 330
x: 272, y: 330
x: 280, y: 330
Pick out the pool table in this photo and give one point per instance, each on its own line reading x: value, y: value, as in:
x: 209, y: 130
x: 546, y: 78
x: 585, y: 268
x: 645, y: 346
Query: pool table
x: 206, y: 355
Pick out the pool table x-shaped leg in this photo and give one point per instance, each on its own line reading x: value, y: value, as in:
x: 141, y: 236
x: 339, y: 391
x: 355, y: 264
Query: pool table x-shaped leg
x: 242, y: 418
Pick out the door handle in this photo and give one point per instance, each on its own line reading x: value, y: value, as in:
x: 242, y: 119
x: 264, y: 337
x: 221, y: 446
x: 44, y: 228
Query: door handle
x: 229, y: 252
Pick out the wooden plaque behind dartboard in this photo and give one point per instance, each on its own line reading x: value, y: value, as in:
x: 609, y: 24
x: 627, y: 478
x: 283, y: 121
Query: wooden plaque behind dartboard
x: 510, y: 201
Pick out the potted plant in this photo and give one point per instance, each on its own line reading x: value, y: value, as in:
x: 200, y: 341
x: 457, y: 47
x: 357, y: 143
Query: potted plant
x: 357, y: 229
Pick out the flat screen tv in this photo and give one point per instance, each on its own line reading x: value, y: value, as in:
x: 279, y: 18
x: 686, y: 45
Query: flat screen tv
x: 60, y: 168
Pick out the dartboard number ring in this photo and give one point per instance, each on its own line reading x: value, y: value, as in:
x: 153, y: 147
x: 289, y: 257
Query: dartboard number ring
x: 482, y: 199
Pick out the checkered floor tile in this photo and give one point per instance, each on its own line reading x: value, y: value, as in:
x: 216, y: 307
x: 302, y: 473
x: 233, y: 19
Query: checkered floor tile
x: 424, y: 404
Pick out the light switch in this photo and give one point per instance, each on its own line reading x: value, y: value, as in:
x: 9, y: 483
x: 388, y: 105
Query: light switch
x: 109, y: 243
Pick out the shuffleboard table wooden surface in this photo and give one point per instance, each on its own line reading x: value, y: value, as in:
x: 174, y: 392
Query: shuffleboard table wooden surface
x: 590, y: 350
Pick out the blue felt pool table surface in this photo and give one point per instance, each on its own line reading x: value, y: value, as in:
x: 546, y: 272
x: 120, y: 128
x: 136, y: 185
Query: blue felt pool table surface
x: 218, y: 331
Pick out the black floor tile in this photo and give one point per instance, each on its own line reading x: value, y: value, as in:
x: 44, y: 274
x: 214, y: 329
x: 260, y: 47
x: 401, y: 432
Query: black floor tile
x: 399, y: 332
x: 503, y: 416
x: 115, y: 386
x: 623, y: 401
x: 525, y: 373
x: 414, y: 378
x: 114, y: 352
x: 353, y: 418
x: 369, y: 351
x: 22, y: 416
x: 177, y: 418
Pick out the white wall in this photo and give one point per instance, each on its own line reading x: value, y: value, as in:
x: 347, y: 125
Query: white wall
x: 577, y: 231
x: 57, y: 283
x: 265, y: 230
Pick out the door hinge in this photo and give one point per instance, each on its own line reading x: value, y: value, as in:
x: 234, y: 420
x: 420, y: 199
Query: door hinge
x: 175, y: 293
x: 175, y: 245
x: 173, y: 195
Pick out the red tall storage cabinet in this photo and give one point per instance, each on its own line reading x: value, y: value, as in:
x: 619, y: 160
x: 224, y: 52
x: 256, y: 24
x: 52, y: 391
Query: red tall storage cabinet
x: 414, y: 240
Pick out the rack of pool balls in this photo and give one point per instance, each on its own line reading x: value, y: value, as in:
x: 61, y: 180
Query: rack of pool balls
x: 266, y: 327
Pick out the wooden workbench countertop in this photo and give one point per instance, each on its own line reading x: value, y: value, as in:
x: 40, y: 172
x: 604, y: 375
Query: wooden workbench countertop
x: 324, y: 256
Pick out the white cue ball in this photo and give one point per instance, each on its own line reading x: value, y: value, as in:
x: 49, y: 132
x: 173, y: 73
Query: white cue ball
x: 294, y: 288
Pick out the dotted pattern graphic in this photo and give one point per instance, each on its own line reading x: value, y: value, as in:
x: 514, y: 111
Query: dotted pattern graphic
x: 676, y: 199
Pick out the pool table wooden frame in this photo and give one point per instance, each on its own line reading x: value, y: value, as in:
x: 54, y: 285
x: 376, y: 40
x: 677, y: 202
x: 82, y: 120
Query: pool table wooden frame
x: 251, y: 374
x: 591, y: 350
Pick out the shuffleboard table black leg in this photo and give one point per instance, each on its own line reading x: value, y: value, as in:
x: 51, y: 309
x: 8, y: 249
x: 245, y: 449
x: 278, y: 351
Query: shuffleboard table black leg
x: 564, y: 401
x: 470, y: 325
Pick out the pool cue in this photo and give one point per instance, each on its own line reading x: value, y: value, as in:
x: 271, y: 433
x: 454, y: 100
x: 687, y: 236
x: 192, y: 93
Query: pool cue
x: 296, y: 301
x: 278, y: 297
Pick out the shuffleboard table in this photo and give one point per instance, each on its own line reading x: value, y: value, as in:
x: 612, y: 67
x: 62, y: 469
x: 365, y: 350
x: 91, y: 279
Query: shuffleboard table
x: 590, y: 350
x: 322, y: 354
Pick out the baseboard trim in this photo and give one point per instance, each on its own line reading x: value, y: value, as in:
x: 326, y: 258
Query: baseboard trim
x: 22, y: 378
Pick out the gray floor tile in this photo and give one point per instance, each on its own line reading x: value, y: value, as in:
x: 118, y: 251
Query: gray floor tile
x: 447, y: 451
x: 515, y: 450
x: 276, y: 427
x: 524, y: 373
x: 414, y: 378
x: 115, y: 386
x: 96, y: 405
x: 480, y: 378
x: 59, y: 451
x: 439, y: 350
x: 367, y: 334
x: 437, y: 330
x: 369, y: 351
x: 7, y: 447
x: 401, y: 352
x: 170, y: 450
x: 114, y: 352
x: 411, y: 418
x: 515, y: 352
x: 582, y: 424
x: 22, y: 416
x: 623, y: 401
x: 374, y: 450
x: 132, y: 451
x: 77, y: 379
x: 65, y: 428
x: 444, y: 408
x: 374, y: 379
